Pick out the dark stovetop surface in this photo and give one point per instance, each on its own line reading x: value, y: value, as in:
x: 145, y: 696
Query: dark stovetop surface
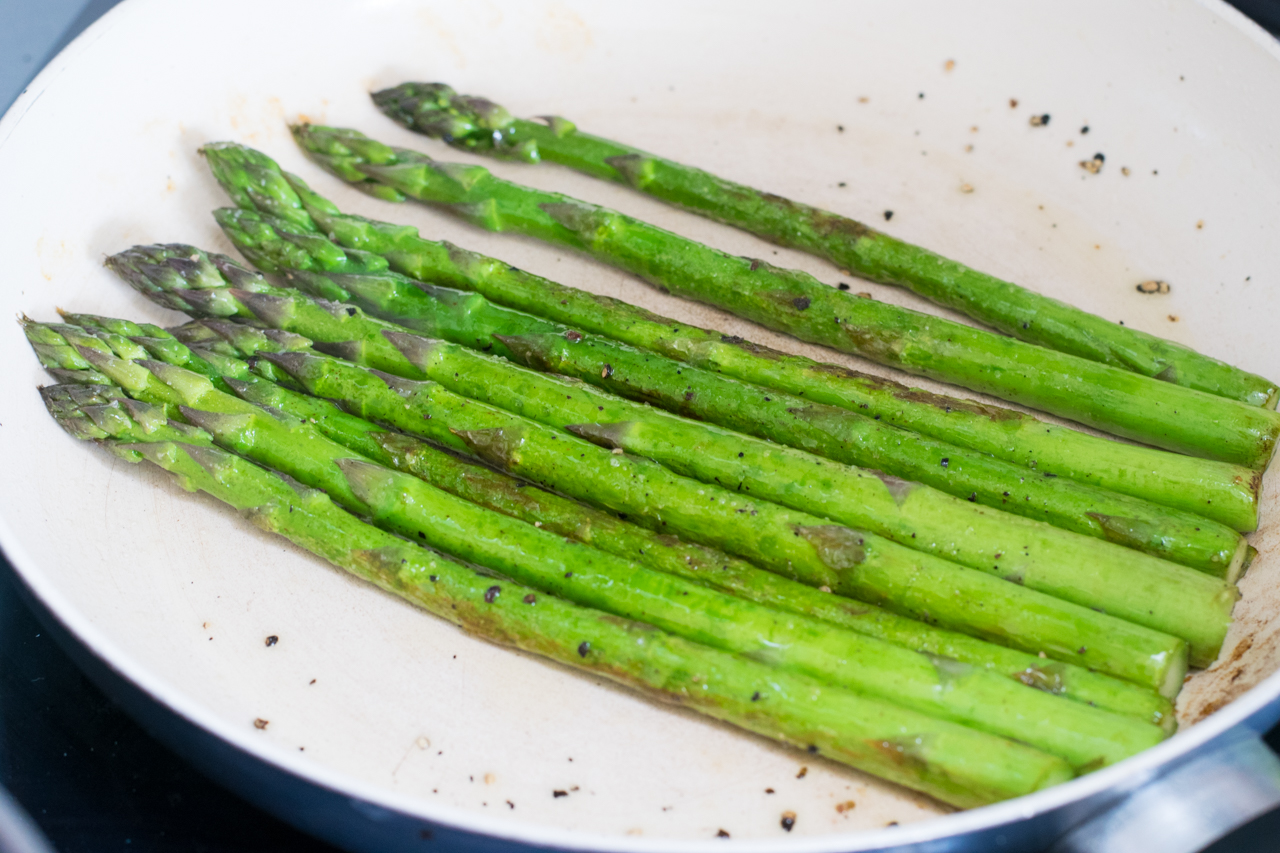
x: 89, y: 776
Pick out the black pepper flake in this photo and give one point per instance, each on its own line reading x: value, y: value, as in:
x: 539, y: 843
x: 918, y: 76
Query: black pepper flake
x: 351, y: 312
x: 920, y: 96
x: 1084, y: 129
x: 755, y: 697
x: 720, y: 833
x: 842, y: 286
x: 688, y: 395
x: 433, y: 578
x: 801, y: 302
x: 842, y: 184
x: 1082, y: 650
x: 606, y: 371
x: 555, y: 795
x: 840, y: 128
x: 731, y: 339
x: 583, y: 648
x: 813, y: 750
x: 788, y: 820
x: 568, y: 574
x: 1040, y: 120
x: 573, y: 336
x: 272, y: 640
x: 756, y: 264
x: 973, y: 497
x: 491, y: 594
x: 888, y: 214
x: 945, y: 461
x: 530, y: 598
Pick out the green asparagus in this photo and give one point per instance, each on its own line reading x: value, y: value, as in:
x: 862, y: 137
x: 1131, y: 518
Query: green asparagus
x: 1118, y: 581
x: 1217, y: 490
x: 1101, y: 396
x: 836, y: 433
x: 480, y: 126
x: 359, y: 338
x: 952, y: 763
x: 500, y: 492
x: 793, y: 544
x: 1086, y: 737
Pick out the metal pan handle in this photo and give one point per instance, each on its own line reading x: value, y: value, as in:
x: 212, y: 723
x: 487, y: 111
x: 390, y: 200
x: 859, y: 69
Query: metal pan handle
x: 1187, y: 808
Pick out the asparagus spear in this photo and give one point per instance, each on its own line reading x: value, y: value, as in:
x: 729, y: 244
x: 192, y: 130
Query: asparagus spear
x: 401, y: 503
x: 480, y: 126
x: 551, y: 512
x: 952, y: 763
x: 1124, y: 583
x: 836, y: 433
x: 1217, y: 490
x: 1101, y: 396
x: 346, y: 329
x: 790, y: 543
x: 1149, y: 592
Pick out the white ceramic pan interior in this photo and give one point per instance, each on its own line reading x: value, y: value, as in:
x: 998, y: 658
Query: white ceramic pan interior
x: 861, y: 108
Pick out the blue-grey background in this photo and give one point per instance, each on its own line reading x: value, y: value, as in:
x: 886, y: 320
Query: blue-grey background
x: 89, y: 777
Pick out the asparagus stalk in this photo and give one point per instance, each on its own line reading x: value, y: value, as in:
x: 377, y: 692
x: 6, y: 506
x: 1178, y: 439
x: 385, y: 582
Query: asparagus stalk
x: 480, y: 126
x: 836, y: 433
x: 1221, y: 491
x: 348, y: 330
x: 556, y: 514
x: 1107, y: 398
x: 952, y: 763
x: 793, y: 544
x: 404, y: 504
x: 1124, y: 583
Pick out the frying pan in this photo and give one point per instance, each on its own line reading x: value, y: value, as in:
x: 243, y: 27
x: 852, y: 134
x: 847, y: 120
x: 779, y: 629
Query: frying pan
x: 386, y: 729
